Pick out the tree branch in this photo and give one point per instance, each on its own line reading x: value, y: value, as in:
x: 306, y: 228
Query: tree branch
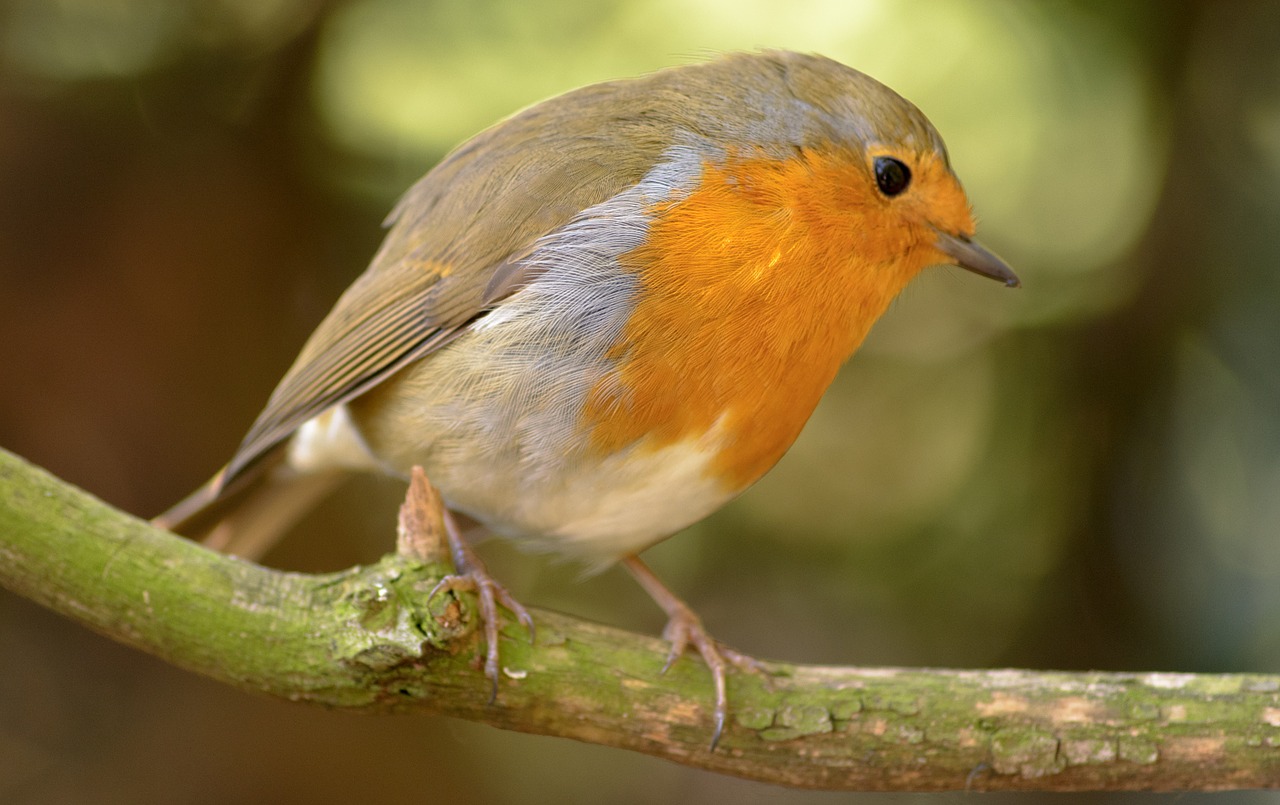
x: 365, y: 639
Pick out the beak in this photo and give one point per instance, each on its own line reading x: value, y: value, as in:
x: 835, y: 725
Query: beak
x: 975, y: 257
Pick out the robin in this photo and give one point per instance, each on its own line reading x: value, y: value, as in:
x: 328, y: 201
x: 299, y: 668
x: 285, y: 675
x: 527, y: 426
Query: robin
x: 603, y: 318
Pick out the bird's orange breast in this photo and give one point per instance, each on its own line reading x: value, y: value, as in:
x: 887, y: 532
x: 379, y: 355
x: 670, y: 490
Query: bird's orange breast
x: 754, y: 288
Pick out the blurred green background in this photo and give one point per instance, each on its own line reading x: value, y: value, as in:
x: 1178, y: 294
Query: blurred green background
x: 1081, y: 474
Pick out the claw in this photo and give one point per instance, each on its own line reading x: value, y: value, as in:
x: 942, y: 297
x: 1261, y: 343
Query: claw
x: 471, y: 576
x: 685, y: 629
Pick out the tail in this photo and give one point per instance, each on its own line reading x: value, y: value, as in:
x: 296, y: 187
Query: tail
x: 248, y: 516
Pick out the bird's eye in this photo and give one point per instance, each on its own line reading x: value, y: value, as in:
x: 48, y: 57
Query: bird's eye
x: 892, y: 175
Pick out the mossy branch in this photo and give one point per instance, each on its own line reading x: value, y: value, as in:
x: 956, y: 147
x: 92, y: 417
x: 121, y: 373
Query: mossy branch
x: 365, y: 640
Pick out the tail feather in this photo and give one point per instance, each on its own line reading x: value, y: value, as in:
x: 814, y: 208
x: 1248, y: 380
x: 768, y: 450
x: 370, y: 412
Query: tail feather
x: 249, y: 516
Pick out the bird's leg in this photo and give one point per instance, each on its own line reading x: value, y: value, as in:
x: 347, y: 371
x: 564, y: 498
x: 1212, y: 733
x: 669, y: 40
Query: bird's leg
x: 471, y: 576
x: 685, y: 629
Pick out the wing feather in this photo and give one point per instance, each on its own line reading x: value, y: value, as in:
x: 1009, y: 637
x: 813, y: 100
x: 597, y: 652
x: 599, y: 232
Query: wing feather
x: 456, y: 246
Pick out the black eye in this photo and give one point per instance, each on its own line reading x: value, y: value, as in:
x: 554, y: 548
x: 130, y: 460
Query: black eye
x: 892, y: 175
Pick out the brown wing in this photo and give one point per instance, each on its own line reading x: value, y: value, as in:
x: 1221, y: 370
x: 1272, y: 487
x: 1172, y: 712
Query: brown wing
x: 456, y: 242
x: 381, y: 323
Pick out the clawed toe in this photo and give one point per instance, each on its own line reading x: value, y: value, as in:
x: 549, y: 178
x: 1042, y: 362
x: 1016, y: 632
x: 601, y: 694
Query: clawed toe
x: 490, y: 594
x: 470, y: 576
x: 685, y: 629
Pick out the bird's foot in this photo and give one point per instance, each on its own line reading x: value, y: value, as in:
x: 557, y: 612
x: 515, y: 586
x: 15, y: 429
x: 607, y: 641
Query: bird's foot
x: 684, y: 629
x: 422, y: 512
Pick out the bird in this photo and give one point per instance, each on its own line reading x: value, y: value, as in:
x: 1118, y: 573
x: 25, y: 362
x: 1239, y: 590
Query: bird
x: 606, y: 316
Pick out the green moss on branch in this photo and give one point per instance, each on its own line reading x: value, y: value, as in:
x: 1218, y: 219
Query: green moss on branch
x: 364, y: 639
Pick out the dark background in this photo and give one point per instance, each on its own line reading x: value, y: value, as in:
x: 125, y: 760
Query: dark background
x: 1084, y: 473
